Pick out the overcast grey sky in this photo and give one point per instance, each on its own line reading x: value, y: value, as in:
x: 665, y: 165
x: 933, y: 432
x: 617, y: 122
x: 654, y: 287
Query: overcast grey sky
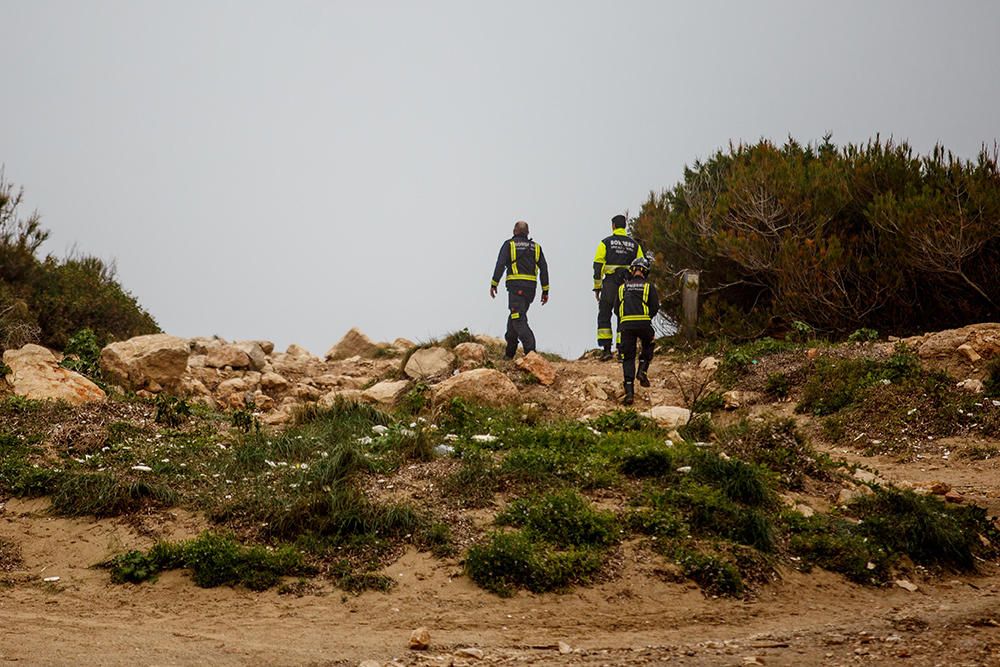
x: 287, y: 170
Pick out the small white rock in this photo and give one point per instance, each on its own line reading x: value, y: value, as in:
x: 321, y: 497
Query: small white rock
x: 51, y: 580
x: 142, y: 468
x: 684, y: 469
x: 379, y: 429
x: 565, y: 648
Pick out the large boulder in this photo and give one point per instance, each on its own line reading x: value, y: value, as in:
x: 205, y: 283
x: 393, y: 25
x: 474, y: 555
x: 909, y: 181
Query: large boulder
x: 36, y: 374
x: 429, y: 362
x: 222, y: 356
x: 386, y: 392
x: 354, y: 343
x: 157, y: 360
x: 470, y: 355
x: 483, y: 385
x: 538, y: 366
x: 256, y: 351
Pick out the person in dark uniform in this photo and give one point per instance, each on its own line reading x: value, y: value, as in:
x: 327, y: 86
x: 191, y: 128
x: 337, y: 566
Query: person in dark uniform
x: 525, y: 264
x: 611, y: 261
x: 637, y: 304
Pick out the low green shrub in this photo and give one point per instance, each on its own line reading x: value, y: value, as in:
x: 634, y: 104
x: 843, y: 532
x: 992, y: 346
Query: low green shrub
x: 564, y: 518
x: 82, y: 353
x: 833, y: 543
x: 623, y: 421
x: 710, y: 402
x: 836, y: 384
x: 507, y: 561
x: 171, y: 411
x: 103, y: 494
x: 214, y: 560
x: 925, y: 528
x: 778, y: 445
x: 715, y: 575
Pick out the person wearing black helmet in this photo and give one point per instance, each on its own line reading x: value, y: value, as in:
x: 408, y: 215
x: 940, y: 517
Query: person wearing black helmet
x: 525, y: 264
x: 611, y: 261
x: 636, y: 304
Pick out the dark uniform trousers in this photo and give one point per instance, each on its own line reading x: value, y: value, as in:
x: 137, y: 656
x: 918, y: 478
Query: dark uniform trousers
x: 631, y: 333
x: 520, y: 294
x: 606, y: 307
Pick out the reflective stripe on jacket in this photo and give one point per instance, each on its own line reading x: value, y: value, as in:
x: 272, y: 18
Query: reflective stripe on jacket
x: 522, y: 259
x: 637, y: 301
x: 615, y: 253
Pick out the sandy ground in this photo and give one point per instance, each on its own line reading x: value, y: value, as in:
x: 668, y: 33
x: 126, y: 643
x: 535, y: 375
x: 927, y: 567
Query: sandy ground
x: 636, y: 617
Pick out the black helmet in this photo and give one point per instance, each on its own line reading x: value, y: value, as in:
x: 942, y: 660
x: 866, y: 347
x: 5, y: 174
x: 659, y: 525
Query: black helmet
x: 641, y: 263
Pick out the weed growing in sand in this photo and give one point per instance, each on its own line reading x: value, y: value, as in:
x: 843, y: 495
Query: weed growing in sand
x: 778, y: 445
x: 836, y: 384
x: 564, y: 518
x: 738, y: 360
x: 925, y: 528
x: 171, y: 411
x: 214, y: 560
x: 506, y: 561
x: 991, y: 385
x: 104, y: 494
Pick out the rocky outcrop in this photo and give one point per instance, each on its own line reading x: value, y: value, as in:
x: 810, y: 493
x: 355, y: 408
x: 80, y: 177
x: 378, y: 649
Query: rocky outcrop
x: 353, y: 344
x: 483, y: 385
x: 539, y: 367
x: 36, y: 374
x: 429, y: 362
x: 981, y: 339
x: 153, y: 362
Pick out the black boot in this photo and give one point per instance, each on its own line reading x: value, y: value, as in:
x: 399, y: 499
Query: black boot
x: 629, y: 394
x: 606, y: 354
x: 641, y: 375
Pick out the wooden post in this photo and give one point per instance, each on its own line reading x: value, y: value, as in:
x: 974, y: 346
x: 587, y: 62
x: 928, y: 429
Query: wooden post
x: 689, y: 304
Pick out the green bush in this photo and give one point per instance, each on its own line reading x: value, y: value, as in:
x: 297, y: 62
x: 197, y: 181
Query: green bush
x: 214, y: 560
x: 836, y: 384
x: 838, y: 238
x: 49, y: 300
x: 564, y: 518
x: 778, y: 445
x: 82, y: 353
x: 925, y: 528
x: 715, y: 575
x: 507, y: 561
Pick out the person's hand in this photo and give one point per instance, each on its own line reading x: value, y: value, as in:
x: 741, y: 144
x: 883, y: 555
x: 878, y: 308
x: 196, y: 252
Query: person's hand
x: 493, y: 291
x: 545, y: 298
x: 597, y: 295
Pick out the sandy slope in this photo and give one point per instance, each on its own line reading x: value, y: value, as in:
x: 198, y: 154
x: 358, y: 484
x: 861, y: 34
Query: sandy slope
x: 635, y: 617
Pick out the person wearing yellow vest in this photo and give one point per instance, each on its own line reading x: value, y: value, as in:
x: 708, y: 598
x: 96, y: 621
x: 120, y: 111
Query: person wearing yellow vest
x: 611, y: 261
x: 525, y: 264
x: 637, y: 304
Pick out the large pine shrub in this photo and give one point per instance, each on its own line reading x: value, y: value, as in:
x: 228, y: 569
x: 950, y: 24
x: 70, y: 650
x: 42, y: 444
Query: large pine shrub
x: 869, y: 235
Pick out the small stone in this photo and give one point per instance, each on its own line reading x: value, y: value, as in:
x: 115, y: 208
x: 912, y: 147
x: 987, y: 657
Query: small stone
x: 369, y: 663
x: 540, y: 367
x: 969, y: 352
x: 709, y: 364
x: 420, y: 639
x: 565, y: 648
x: 954, y: 497
x: 475, y: 653
x: 684, y: 470
x: 753, y: 660
x: 51, y: 580
x: 972, y: 385
x: 905, y: 584
x: 812, y: 353
x: 940, y: 488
